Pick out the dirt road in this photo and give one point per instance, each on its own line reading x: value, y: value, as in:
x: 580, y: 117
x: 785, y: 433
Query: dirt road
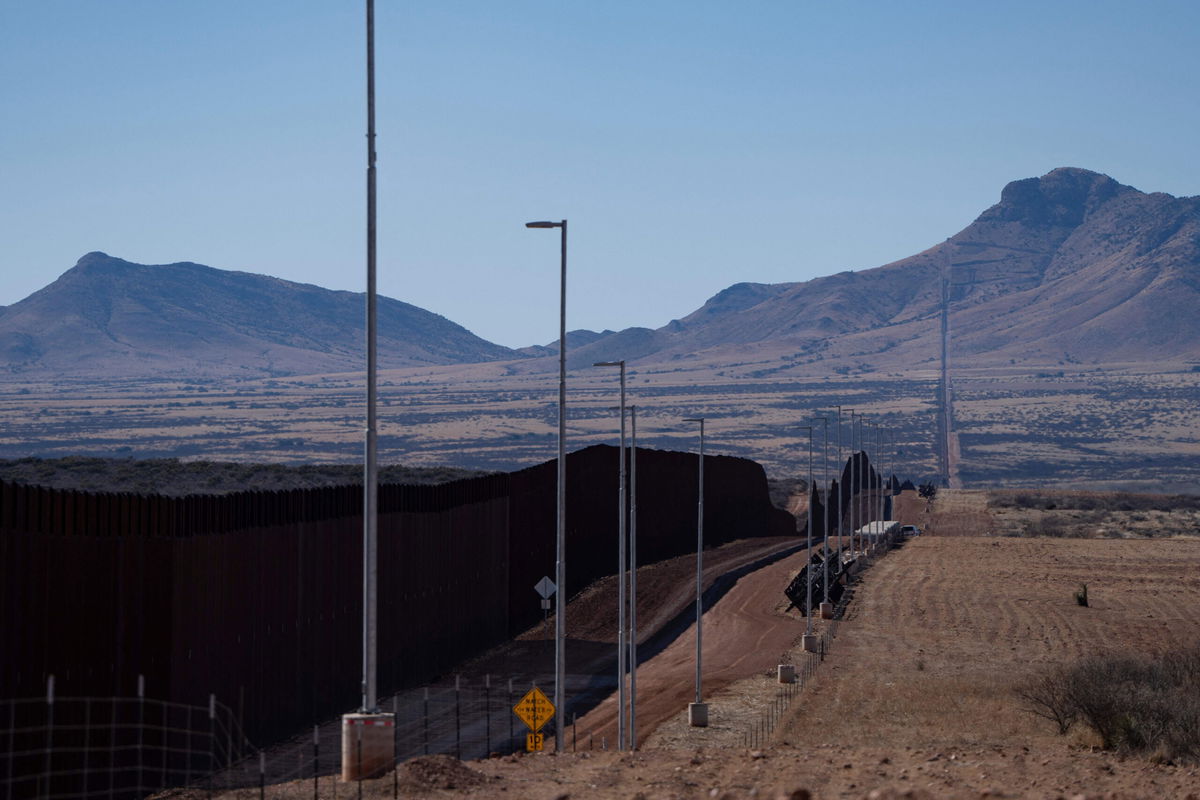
x: 745, y: 633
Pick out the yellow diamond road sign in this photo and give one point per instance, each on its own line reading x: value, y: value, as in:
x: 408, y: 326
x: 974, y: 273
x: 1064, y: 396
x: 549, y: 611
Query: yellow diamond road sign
x: 534, y: 709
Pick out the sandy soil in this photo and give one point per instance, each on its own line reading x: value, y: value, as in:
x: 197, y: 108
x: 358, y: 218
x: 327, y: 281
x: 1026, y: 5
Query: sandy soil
x: 916, y: 697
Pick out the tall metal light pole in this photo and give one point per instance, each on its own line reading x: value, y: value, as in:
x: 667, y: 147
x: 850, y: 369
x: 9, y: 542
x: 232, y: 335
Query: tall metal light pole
x: 887, y: 496
x: 879, y: 472
x: 872, y: 471
x: 560, y: 569
x: 368, y: 732
x: 862, y: 479
x: 868, y: 468
x: 808, y: 627
x: 879, y: 447
x: 621, y: 564
x: 698, y: 711
x: 826, y: 606
x: 884, y: 484
x: 371, y: 472
x: 852, y: 505
x: 841, y: 514
x: 868, y: 429
x: 633, y: 567
x: 891, y: 467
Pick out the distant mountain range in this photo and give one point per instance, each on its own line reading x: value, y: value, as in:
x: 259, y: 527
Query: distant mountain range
x: 110, y: 317
x: 1072, y: 265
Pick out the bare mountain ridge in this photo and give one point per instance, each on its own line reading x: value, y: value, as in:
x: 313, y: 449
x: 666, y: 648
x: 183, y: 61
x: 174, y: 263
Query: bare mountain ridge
x: 112, y: 317
x: 1072, y: 263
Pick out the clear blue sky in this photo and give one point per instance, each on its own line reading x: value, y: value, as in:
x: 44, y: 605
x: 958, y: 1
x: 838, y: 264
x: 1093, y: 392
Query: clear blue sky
x: 692, y: 145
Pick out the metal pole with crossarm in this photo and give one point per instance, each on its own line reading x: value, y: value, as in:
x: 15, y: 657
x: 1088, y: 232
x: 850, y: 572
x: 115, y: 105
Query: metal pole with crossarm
x: 560, y: 556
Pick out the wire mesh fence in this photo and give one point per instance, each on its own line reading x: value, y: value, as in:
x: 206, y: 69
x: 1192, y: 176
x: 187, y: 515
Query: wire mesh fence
x: 760, y: 730
x: 130, y: 747
x: 467, y: 718
x: 117, y: 747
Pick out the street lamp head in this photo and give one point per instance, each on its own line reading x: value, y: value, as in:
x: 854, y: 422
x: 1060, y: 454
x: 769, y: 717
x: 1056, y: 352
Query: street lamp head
x: 544, y: 224
x: 609, y: 364
x: 693, y: 419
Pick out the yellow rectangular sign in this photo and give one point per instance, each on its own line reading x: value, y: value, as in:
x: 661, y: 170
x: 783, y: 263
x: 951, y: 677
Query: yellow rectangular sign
x: 535, y: 742
x: 534, y: 709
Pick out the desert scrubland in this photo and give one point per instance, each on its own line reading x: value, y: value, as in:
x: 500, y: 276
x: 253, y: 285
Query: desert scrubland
x: 1114, y: 427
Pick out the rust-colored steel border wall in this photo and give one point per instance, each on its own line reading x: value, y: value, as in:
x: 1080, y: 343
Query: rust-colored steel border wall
x: 256, y: 596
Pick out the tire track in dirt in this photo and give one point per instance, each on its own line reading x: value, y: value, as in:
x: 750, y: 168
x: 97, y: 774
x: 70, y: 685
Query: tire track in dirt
x: 742, y: 634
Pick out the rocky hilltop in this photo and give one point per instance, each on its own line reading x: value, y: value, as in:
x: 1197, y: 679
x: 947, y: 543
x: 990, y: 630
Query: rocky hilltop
x: 1070, y: 264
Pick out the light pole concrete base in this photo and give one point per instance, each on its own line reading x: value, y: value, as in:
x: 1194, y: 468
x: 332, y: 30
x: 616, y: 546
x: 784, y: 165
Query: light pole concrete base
x: 787, y: 673
x: 368, y: 745
x: 826, y: 610
x: 698, y: 715
x: 809, y: 642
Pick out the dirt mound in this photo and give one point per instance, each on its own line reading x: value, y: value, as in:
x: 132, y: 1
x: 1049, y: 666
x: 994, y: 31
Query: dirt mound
x: 440, y: 772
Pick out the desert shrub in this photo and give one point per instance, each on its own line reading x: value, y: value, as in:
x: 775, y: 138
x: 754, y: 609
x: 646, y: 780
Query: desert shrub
x: 1092, y: 501
x: 1024, y: 501
x: 1048, y: 697
x: 1140, y: 704
x: 1050, y: 527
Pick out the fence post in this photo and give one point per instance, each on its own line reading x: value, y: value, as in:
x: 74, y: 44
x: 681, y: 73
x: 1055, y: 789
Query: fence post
x: 426, y: 720
x: 12, y: 724
x: 49, y: 729
x: 87, y: 735
x: 228, y: 740
x: 262, y: 776
x: 511, y: 737
x: 457, y: 720
x: 487, y: 712
x: 212, y: 736
x: 395, y: 747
